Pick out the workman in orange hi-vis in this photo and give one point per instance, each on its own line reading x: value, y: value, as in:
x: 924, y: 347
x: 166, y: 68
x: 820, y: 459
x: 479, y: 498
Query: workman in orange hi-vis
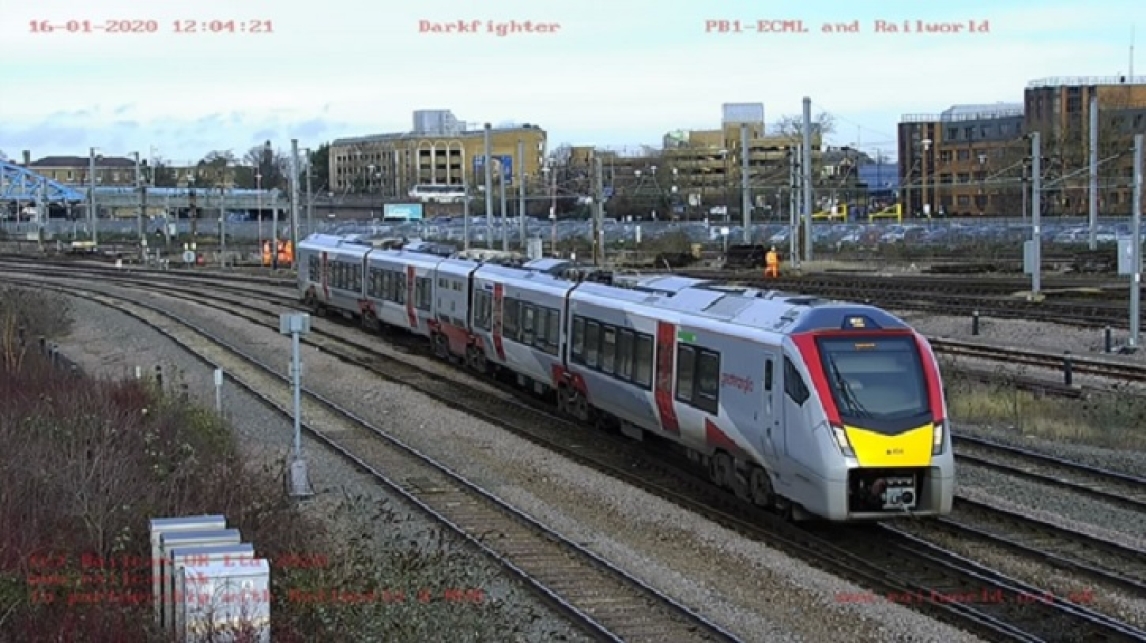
x: 772, y: 264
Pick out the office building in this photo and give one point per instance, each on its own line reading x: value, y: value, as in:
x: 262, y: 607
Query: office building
x: 950, y: 164
x: 76, y: 170
x: 974, y: 160
x: 440, y: 151
x: 1059, y: 108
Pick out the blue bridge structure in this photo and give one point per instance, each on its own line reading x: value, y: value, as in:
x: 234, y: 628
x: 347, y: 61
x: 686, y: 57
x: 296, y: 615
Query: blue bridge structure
x: 18, y: 183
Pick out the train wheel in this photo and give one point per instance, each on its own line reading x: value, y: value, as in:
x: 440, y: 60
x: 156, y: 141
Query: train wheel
x: 720, y: 469
x: 477, y: 360
x: 441, y: 346
x: 562, y: 398
x: 760, y: 488
x: 576, y: 404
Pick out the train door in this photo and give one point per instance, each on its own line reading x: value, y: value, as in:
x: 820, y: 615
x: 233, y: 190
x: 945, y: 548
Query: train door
x: 799, y: 440
x: 771, y: 415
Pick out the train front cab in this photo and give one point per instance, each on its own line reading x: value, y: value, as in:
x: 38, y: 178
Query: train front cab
x: 881, y: 395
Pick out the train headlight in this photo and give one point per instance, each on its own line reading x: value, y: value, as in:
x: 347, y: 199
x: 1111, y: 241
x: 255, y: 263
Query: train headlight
x: 937, y: 437
x: 841, y: 437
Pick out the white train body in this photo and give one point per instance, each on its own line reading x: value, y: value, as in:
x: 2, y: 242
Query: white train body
x: 826, y: 409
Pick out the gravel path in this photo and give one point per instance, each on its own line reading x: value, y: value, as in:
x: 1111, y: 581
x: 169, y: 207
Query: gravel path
x: 108, y: 343
x: 691, y: 559
x: 1062, y: 507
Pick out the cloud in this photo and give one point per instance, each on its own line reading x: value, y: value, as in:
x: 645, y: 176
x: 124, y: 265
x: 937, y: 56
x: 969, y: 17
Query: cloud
x: 177, y: 139
x: 618, y: 72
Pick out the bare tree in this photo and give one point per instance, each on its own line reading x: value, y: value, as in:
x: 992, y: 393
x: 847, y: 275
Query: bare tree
x: 561, y: 154
x: 792, y: 126
x: 162, y: 174
x: 272, y: 166
x: 219, y: 158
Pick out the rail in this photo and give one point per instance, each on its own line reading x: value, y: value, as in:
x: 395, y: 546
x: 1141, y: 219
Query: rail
x: 689, y: 624
x: 919, y: 566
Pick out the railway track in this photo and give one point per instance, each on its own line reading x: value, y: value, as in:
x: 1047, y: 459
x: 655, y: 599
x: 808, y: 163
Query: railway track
x: 940, y: 295
x: 866, y: 555
x: 1101, y: 560
x: 1108, y: 486
x: 1038, y: 384
x: 959, y: 296
x: 1119, y: 371
x: 602, y: 599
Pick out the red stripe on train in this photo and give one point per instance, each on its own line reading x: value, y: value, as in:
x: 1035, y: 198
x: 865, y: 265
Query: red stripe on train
x: 810, y: 354
x: 931, y: 372
x: 411, y: 279
x: 666, y: 343
x: 498, y: 297
x: 717, y: 438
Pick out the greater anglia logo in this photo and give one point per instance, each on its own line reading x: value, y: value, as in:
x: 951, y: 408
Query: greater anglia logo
x: 488, y: 27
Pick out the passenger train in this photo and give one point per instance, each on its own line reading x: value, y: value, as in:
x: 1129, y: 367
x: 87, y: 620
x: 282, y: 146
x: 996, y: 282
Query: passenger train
x: 821, y: 410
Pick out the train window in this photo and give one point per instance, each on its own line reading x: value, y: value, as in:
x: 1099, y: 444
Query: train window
x: 794, y: 384
x: 542, y: 324
x: 425, y: 300
x: 685, y: 372
x: 708, y: 381
x: 357, y: 279
x: 528, y: 312
x: 608, y: 349
x: 592, y: 343
x: 553, y: 331
x: 401, y: 285
x: 643, y: 361
x: 312, y: 268
x: 483, y: 307
x: 768, y: 375
x: 577, y: 348
x: 511, y: 316
x: 625, y: 354
x: 442, y: 282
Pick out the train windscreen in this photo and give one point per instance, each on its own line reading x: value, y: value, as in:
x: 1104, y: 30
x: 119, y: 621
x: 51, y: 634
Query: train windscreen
x: 877, y: 382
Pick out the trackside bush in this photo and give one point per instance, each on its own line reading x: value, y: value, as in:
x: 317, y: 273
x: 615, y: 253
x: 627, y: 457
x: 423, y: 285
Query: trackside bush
x: 85, y: 464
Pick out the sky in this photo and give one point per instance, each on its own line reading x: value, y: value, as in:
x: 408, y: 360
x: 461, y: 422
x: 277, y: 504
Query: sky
x: 616, y: 73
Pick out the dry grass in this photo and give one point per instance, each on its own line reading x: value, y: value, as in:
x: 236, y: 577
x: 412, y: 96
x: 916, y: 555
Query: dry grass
x: 1112, y: 420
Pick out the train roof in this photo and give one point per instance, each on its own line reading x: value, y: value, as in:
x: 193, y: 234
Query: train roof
x: 333, y: 242
x: 769, y: 310
x: 406, y: 257
x: 527, y: 278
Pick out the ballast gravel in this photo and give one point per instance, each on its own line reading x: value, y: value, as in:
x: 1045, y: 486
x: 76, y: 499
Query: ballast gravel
x: 754, y: 591
x: 107, y: 343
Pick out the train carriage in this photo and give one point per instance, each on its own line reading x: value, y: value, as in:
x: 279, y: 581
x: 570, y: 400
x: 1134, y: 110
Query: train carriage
x: 611, y: 358
x: 762, y: 387
x: 400, y: 289
x: 518, y: 320
x: 330, y: 272
x: 821, y: 409
x: 453, y: 292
